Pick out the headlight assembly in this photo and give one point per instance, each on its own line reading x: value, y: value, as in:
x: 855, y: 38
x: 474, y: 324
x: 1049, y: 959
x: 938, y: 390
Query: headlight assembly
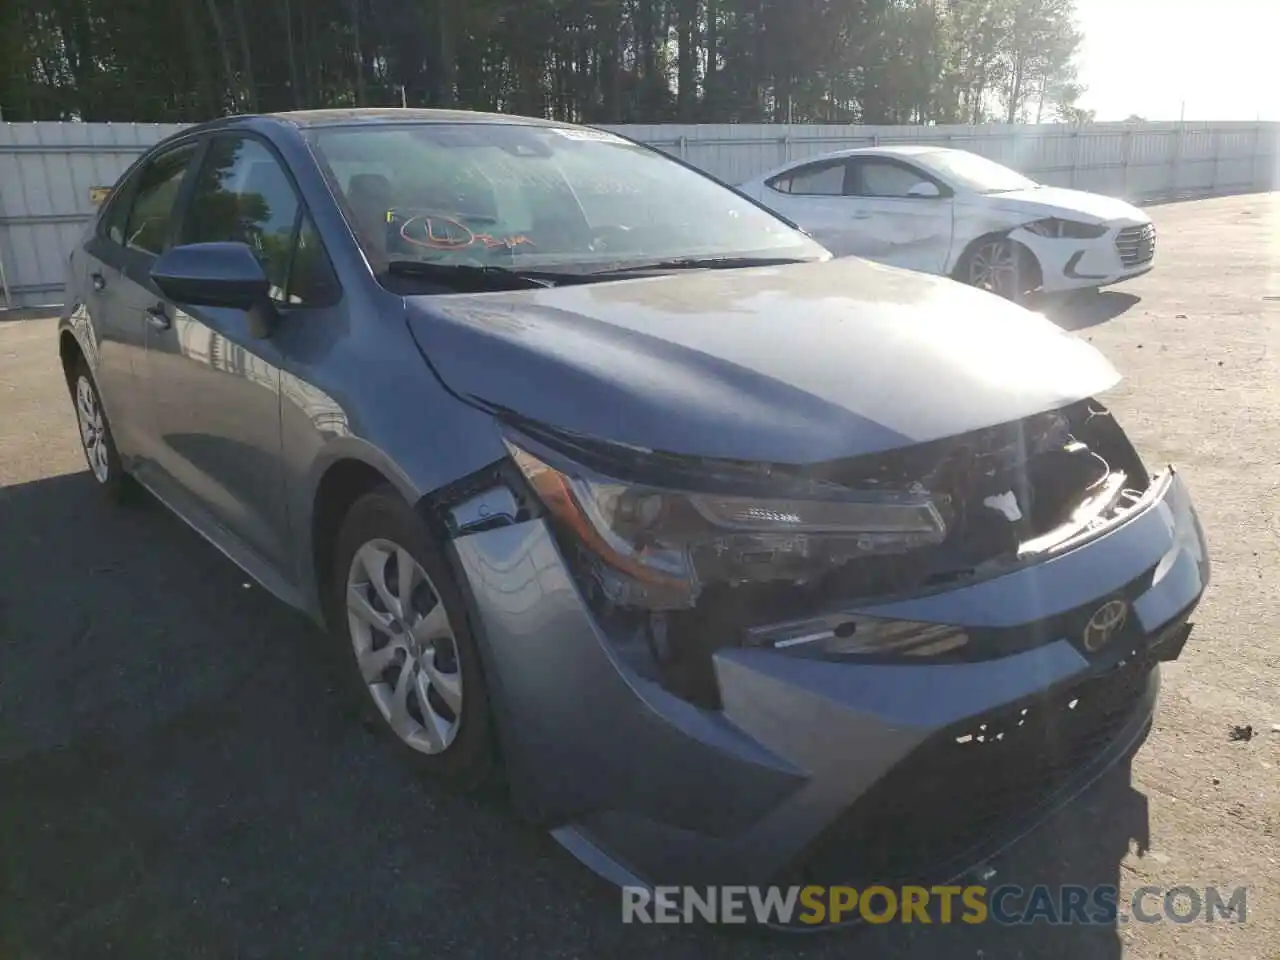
x: 1059, y: 229
x: 658, y: 547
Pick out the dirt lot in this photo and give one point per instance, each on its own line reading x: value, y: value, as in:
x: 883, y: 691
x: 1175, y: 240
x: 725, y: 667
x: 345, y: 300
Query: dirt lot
x: 175, y: 780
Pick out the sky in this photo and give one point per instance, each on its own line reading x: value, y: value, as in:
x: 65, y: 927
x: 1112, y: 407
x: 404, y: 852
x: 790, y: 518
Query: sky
x: 1222, y: 57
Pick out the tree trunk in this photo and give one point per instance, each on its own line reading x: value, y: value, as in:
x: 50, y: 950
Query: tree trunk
x: 209, y: 102
x: 296, y: 94
x: 583, y: 99
x: 782, y: 98
x: 646, y: 27
x: 362, y: 95
x: 687, y: 51
x: 224, y: 48
x: 611, y: 66
x: 981, y: 79
x: 711, y: 80
x: 447, y: 75
x: 251, y: 86
x: 1015, y: 90
x: 77, y: 41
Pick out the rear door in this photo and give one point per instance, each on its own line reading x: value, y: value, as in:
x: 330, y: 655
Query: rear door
x: 898, y: 228
x: 148, y: 233
x: 130, y: 232
x: 118, y: 335
x: 813, y: 196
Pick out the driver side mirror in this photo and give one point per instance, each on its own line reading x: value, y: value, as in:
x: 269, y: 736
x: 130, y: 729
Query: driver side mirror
x: 924, y: 190
x: 217, y: 275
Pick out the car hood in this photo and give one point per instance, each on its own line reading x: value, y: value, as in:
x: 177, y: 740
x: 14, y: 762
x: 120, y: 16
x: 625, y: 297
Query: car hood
x: 794, y: 364
x: 1061, y: 202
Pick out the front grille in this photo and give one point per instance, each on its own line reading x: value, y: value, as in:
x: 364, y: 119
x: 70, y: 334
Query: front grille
x: 1136, y: 245
x: 933, y: 812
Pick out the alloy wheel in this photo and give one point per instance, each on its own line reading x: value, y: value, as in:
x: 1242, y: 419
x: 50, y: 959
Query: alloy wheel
x: 93, y: 429
x: 405, y: 646
x: 994, y: 267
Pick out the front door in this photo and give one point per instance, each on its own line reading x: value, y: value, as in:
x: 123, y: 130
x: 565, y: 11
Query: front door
x: 898, y: 228
x: 215, y: 387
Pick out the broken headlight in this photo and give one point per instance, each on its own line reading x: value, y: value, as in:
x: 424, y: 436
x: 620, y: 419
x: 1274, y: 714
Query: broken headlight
x: 656, y: 547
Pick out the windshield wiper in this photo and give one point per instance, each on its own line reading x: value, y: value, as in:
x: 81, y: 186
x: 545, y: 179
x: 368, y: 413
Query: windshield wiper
x: 701, y: 263
x: 492, y: 276
x: 486, y: 276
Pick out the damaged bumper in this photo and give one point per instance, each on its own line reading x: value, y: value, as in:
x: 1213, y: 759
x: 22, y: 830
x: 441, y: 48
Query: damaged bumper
x: 1126, y: 251
x: 831, y: 771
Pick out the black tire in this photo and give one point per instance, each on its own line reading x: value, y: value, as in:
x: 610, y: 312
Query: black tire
x: 1026, y: 280
x: 101, y: 455
x: 469, y: 761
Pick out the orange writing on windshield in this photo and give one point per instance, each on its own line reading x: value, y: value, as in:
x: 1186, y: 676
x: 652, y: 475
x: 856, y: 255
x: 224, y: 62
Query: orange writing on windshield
x: 438, y: 232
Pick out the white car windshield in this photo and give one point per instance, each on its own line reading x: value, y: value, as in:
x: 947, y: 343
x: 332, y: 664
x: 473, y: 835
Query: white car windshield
x: 974, y: 172
x: 536, y: 196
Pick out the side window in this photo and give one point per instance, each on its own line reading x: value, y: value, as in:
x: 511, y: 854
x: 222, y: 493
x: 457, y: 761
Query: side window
x: 242, y: 194
x: 815, y: 180
x: 311, y: 278
x: 880, y: 178
x: 147, y: 226
x: 116, y: 216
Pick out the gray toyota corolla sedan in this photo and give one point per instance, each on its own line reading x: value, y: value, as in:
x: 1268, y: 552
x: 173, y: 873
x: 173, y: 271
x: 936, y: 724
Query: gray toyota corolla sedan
x: 743, y: 564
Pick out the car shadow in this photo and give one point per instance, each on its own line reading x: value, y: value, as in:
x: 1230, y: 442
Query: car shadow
x: 1083, y: 845
x: 1088, y: 308
x: 181, y: 778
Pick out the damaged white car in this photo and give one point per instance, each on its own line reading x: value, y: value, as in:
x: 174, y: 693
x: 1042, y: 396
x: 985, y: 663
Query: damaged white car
x: 954, y: 213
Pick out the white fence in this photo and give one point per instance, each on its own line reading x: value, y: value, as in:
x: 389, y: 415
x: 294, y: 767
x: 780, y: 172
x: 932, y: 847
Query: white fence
x: 47, y: 170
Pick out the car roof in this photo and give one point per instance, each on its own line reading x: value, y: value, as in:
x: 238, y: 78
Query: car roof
x: 905, y: 149
x: 373, y: 115
x: 888, y: 150
x: 311, y: 118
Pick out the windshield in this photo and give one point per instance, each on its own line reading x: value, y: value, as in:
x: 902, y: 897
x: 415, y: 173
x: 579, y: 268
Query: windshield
x: 975, y: 173
x: 537, y: 197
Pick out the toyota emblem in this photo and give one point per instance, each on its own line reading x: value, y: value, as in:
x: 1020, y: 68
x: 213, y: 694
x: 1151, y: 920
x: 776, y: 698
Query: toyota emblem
x: 1107, y: 621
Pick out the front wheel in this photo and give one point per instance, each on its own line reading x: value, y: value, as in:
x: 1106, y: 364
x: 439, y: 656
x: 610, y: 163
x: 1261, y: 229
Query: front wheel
x: 1003, y: 267
x: 413, y: 665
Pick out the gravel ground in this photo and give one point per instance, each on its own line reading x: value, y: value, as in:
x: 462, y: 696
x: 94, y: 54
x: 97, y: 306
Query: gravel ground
x: 176, y: 780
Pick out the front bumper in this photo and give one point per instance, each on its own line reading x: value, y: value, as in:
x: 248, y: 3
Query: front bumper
x: 646, y: 788
x: 1068, y: 264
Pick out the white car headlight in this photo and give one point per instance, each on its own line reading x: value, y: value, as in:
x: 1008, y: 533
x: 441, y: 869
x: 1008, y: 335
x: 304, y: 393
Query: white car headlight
x: 1059, y: 229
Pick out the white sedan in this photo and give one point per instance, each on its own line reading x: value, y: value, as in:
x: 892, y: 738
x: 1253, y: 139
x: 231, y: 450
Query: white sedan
x: 955, y: 213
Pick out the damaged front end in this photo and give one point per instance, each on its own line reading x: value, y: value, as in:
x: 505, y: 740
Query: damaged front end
x: 705, y: 671
x: 685, y: 557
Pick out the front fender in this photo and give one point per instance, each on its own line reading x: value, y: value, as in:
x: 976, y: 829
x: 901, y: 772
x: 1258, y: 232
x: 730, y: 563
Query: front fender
x: 973, y: 223
x: 302, y: 498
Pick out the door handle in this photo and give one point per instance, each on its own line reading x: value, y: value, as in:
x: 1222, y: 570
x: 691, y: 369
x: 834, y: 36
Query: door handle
x: 158, y: 318
x: 99, y: 281
x: 862, y: 215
